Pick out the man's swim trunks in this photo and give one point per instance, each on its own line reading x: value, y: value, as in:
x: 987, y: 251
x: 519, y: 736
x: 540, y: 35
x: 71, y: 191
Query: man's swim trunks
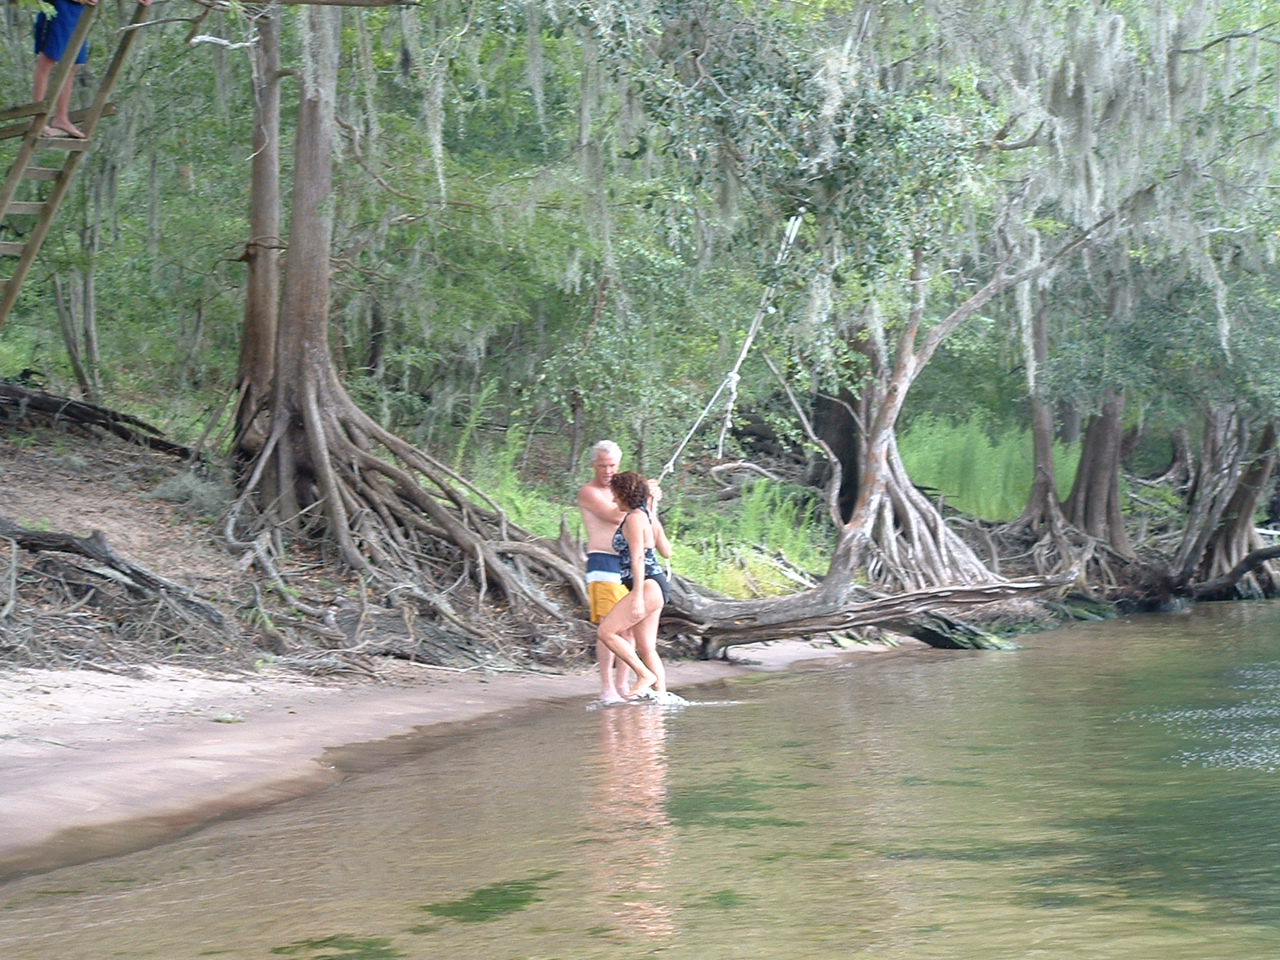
x: 604, y: 584
x: 53, y: 33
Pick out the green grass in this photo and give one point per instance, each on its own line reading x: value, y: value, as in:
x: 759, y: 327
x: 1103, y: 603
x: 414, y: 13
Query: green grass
x: 977, y: 472
x: 745, y: 548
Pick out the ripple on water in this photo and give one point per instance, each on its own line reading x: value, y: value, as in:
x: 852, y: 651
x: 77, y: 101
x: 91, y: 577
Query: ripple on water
x: 1240, y: 735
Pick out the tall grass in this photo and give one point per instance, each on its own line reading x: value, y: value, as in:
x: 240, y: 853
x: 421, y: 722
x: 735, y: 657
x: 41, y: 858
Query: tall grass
x: 752, y: 546
x: 978, y: 471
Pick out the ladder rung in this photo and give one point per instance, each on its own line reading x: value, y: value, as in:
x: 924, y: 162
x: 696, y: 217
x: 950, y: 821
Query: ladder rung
x: 26, y: 206
x: 63, y: 143
x: 41, y: 173
x: 11, y: 248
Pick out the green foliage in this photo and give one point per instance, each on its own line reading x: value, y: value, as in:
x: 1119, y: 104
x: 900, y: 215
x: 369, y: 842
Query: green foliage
x: 479, y: 409
x: 537, y: 507
x: 557, y: 219
x: 749, y: 548
x: 977, y: 472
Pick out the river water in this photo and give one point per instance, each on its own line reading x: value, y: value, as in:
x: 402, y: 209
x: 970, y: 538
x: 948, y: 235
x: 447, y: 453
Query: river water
x: 1107, y: 791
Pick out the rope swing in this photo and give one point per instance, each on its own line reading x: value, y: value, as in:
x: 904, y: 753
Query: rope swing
x: 732, y: 378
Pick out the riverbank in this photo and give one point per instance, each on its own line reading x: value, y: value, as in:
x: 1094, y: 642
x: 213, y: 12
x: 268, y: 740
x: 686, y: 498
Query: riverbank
x: 96, y: 764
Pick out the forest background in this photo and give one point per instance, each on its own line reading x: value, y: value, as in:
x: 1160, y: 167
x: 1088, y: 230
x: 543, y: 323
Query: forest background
x: 924, y: 294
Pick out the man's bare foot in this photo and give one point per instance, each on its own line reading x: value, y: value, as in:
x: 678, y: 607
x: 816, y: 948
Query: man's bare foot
x: 67, y: 129
x: 611, y: 696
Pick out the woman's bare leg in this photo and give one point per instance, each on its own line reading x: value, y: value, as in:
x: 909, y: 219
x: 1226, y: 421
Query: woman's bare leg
x: 610, y: 632
x: 646, y: 635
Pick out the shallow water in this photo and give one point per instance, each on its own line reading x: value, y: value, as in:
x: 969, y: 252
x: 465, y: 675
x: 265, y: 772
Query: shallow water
x: 1104, y: 792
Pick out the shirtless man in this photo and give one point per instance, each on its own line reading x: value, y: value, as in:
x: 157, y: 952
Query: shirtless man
x: 601, y: 516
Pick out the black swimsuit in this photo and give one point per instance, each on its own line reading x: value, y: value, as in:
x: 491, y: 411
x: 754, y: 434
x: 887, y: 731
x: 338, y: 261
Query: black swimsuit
x: 652, y: 569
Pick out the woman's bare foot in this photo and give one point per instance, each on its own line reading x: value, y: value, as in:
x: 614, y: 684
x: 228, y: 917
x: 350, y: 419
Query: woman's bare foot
x: 643, y: 685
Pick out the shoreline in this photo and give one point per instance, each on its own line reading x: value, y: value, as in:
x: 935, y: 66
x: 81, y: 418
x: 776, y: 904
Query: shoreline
x: 99, y: 764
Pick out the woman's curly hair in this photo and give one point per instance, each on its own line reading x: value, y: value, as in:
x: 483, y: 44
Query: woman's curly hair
x: 630, y: 489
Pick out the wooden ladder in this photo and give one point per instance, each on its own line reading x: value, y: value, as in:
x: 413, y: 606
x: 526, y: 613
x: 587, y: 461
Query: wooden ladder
x: 31, y: 122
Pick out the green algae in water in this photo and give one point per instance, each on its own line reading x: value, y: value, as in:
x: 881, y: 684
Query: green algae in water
x: 341, y: 947
x: 722, y: 804
x: 491, y: 902
x: 721, y: 900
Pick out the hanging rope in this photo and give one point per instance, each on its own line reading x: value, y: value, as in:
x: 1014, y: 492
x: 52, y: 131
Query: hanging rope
x: 732, y: 378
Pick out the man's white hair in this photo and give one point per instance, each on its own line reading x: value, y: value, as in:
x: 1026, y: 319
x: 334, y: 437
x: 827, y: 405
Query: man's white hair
x: 606, y: 446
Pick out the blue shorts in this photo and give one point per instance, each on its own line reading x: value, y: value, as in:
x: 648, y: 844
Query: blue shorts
x: 53, y: 33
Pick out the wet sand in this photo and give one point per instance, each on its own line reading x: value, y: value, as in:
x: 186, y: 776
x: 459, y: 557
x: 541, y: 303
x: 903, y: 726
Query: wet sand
x: 96, y: 764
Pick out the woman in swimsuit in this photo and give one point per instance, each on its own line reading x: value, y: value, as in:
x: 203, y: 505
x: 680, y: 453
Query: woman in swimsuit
x: 635, y: 540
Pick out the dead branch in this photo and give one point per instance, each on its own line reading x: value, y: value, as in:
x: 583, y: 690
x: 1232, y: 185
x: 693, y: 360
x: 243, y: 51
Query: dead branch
x: 137, y: 580
x: 21, y: 401
x: 1221, y: 587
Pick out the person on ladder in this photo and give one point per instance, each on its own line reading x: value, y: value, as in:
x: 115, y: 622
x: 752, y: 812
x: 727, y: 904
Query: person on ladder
x: 52, y: 36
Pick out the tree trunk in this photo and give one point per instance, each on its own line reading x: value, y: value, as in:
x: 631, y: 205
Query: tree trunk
x: 89, y: 307
x: 262, y: 252
x: 1222, y: 451
x: 1043, y: 507
x: 837, y: 425
x: 1068, y: 422
x: 894, y: 535
x: 302, y: 363
x: 71, y: 338
x: 1235, y: 538
x: 1094, y: 504
x: 399, y: 518
x: 834, y: 607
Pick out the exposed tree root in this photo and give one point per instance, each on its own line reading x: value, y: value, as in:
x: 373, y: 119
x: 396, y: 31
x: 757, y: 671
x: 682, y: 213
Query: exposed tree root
x: 414, y: 530
x: 1225, y: 586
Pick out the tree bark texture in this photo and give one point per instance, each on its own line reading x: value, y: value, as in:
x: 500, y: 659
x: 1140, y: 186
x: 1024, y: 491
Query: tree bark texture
x: 262, y: 252
x: 1094, y: 504
x: 1234, y: 539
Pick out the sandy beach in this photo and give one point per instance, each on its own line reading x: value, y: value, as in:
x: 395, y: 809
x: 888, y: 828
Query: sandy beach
x: 97, y: 763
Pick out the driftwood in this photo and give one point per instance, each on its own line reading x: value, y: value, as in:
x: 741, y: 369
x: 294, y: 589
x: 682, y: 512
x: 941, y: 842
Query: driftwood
x: 719, y: 622
x: 109, y: 565
x: 19, y: 400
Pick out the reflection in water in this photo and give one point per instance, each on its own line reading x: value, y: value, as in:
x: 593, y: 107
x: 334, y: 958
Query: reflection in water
x: 628, y: 812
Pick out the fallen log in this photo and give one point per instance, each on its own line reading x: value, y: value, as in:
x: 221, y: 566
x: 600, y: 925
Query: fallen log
x: 109, y: 565
x: 24, y: 400
x: 719, y: 622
